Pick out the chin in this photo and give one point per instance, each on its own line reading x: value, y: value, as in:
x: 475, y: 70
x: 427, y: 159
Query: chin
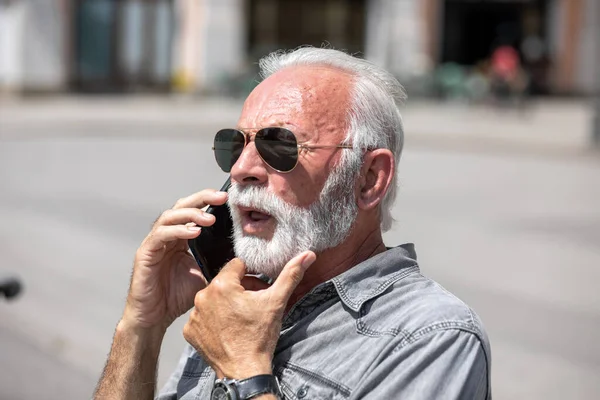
x: 261, y: 256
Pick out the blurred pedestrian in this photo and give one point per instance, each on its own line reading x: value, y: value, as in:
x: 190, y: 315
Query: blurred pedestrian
x: 313, y: 166
x: 505, y: 67
x: 535, y: 63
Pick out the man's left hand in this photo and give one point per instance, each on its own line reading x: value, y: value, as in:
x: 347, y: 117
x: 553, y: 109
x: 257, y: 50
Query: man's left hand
x: 235, y: 328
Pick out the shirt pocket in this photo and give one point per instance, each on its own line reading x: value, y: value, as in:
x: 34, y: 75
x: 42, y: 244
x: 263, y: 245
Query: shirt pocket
x: 194, y: 377
x: 299, y: 383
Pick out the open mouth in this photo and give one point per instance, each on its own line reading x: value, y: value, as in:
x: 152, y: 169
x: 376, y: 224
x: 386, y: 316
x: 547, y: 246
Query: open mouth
x: 255, y: 222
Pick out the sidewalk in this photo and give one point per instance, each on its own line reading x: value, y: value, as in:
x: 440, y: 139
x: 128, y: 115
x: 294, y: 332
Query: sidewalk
x: 553, y: 125
x: 546, y: 125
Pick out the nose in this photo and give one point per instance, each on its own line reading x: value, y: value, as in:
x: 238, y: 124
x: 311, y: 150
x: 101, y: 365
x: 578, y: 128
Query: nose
x: 249, y: 168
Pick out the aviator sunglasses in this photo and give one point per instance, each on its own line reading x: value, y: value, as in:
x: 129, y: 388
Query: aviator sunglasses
x: 278, y: 147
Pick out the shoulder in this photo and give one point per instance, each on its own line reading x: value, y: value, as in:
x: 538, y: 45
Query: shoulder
x: 427, y: 329
x: 416, y: 306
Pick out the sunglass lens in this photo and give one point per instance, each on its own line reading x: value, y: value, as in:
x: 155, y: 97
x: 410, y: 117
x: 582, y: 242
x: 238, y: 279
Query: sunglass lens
x: 278, y: 147
x: 229, y: 144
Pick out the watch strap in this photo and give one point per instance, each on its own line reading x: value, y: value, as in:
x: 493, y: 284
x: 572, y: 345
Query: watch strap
x: 259, y: 384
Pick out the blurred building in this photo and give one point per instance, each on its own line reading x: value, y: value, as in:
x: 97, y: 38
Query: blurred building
x: 556, y: 39
x: 209, y: 45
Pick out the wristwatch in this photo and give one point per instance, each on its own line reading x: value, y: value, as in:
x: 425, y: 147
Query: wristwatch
x: 233, y: 389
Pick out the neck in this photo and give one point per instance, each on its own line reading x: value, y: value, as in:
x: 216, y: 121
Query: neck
x: 335, y: 261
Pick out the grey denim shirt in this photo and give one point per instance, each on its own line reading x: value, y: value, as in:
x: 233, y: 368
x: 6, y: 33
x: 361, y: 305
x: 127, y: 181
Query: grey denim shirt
x: 380, y: 330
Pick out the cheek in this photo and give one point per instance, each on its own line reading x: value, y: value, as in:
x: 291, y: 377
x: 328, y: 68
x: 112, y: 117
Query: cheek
x: 299, y: 191
x: 303, y: 185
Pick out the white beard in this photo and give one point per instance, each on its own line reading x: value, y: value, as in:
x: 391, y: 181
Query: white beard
x: 324, y: 225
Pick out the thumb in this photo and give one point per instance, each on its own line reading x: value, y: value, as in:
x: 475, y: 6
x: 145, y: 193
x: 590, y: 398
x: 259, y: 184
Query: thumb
x: 234, y: 270
x: 292, y: 275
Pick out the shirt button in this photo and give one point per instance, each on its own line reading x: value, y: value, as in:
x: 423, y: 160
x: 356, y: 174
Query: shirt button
x: 302, y: 392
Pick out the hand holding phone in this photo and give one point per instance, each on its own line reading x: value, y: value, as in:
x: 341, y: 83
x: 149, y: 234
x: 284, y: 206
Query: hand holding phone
x: 213, y: 248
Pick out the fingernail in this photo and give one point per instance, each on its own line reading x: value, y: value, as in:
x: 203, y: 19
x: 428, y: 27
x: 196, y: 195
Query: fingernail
x: 308, y: 260
x: 193, y: 228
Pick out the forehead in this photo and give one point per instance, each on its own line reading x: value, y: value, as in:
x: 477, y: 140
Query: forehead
x: 311, y: 100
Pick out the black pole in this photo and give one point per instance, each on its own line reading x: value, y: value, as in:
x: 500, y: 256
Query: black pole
x: 596, y: 132
x: 596, y: 127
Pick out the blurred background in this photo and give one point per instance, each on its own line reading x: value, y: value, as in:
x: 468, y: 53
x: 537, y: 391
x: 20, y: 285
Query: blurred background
x: 107, y: 113
x: 443, y: 48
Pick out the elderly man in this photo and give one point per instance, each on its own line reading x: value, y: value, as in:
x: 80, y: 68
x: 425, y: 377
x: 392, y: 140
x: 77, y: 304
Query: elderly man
x: 313, y: 168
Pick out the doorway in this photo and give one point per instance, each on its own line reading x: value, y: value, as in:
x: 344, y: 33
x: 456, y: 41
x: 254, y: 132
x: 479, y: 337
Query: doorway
x: 287, y: 24
x: 473, y: 29
x: 122, y: 45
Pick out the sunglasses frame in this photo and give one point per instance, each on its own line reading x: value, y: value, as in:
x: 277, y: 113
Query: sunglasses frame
x: 300, y: 146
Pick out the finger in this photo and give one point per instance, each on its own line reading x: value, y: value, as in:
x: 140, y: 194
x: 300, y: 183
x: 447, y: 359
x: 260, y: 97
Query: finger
x: 202, y: 199
x: 168, y: 233
x: 292, y: 275
x: 197, y: 278
x: 184, y: 216
x: 234, y: 270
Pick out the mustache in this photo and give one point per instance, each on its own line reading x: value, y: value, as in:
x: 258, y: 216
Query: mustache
x: 257, y: 197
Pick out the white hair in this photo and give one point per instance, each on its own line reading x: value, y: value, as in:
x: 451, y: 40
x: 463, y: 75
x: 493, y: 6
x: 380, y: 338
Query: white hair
x: 374, y: 119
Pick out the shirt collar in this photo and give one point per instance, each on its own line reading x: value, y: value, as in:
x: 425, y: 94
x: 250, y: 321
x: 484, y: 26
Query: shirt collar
x: 373, y: 276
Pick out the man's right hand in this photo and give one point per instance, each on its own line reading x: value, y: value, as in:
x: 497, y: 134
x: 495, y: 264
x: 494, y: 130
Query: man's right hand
x: 165, y: 276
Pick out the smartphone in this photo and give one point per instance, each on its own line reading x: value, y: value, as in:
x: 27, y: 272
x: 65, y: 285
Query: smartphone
x: 213, y: 248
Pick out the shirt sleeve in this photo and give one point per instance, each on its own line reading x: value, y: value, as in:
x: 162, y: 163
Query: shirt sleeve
x: 442, y: 364
x: 169, y: 390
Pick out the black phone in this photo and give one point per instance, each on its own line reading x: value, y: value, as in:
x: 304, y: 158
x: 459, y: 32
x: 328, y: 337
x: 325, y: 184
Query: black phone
x: 213, y: 248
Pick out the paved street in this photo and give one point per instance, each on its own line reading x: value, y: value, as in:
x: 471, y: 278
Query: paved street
x: 513, y: 228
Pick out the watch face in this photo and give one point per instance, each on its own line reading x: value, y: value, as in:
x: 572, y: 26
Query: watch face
x: 220, y: 393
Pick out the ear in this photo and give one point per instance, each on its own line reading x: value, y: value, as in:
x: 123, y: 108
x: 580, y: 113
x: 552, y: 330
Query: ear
x: 375, y: 178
